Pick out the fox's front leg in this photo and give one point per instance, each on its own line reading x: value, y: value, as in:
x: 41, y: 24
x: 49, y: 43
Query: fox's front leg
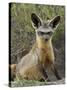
x: 53, y: 68
x: 44, y: 75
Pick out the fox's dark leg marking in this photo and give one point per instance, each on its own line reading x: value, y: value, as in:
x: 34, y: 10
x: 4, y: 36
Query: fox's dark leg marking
x: 45, y: 76
x: 44, y: 73
x: 53, y: 68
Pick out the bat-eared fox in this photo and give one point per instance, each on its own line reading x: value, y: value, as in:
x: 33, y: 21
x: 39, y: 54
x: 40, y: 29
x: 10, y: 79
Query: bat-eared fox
x: 34, y: 65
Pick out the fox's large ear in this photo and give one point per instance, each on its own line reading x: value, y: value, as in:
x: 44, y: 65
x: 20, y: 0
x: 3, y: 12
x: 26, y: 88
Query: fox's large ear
x: 54, y: 22
x: 36, y: 22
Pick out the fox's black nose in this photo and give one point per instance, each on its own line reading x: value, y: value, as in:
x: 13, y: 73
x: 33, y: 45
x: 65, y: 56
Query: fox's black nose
x: 46, y: 39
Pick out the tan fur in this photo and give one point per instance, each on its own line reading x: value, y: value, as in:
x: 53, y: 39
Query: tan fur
x: 12, y: 69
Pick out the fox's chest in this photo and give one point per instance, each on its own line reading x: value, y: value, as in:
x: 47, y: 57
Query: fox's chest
x: 46, y: 56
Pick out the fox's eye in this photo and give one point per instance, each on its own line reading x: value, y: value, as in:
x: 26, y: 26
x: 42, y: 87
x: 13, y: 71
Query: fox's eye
x: 49, y: 33
x: 42, y: 33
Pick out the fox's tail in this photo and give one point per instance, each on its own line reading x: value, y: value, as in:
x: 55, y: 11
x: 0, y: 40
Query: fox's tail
x: 12, y: 71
